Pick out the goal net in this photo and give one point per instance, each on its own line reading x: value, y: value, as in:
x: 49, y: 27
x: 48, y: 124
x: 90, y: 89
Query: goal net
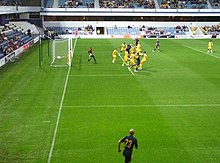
x: 61, y: 52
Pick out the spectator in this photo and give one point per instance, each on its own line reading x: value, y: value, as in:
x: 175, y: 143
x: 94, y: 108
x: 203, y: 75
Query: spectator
x: 29, y: 32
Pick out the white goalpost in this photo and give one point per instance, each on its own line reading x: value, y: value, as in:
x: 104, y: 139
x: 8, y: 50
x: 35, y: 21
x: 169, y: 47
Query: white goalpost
x: 62, y: 52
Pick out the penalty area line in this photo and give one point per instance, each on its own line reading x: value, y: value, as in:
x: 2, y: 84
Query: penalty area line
x: 131, y: 106
x: 201, y: 51
x: 101, y: 75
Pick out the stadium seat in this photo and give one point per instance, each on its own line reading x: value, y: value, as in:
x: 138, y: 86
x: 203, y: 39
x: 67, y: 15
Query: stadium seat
x: 48, y: 3
x: 123, y: 31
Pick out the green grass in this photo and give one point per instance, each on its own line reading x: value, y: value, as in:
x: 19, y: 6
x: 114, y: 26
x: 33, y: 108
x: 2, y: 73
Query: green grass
x: 173, y: 104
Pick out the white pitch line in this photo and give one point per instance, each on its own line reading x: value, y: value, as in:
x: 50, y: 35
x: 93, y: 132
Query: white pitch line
x: 201, y: 51
x: 58, y: 117
x: 59, y: 112
x: 123, y: 61
x: 130, y: 106
x: 46, y: 121
x: 101, y: 75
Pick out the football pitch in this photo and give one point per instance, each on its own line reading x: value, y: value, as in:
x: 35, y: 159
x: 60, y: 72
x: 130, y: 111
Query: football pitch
x: 78, y: 114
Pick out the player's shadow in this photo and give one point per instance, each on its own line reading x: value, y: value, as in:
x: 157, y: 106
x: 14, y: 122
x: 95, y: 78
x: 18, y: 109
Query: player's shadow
x: 155, y: 52
x: 148, y: 71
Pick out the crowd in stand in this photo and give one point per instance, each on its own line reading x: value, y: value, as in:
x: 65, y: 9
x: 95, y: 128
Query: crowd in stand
x: 77, y: 3
x: 127, y: 4
x: 180, y: 4
x: 11, y: 3
x: 151, y: 31
x: 199, y: 4
x: 20, y: 2
x: 215, y: 3
x: 88, y: 30
x: 207, y: 29
x: 82, y: 30
x: 173, y: 4
x: 146, y: 3
x: 9, y: 43
x: 116, y: 4
x: 160, y: 31
x: 183, y: 28
x: 164, y: 4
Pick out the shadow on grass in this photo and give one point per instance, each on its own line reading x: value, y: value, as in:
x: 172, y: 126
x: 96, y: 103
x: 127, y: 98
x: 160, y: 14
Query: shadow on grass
x: 147, y: 71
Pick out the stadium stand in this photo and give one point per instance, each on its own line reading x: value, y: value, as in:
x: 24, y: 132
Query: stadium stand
x: 88, y: 30
x: 10, y: 3
x: 48, y: 3
x: 21, y: 3
x: 164, y: 31
x: 123, y: 31
x: 76, y: 3
x: 12, y: 38
x: 147, y: 30
x: 26, y: 26
x: 116, y: 4
x: 127, y: 4
x: 211, y: 30
x: 215, y: 4
x: 144, y: 4
x: 147, y: 4
x: 183, y: 4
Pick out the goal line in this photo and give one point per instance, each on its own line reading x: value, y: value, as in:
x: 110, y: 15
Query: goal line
x: 61, y: 106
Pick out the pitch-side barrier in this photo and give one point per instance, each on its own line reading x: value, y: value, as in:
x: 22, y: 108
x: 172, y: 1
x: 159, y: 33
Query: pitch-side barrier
x: 17, y: 53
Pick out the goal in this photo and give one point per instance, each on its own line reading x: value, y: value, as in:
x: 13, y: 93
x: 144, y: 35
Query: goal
x: 61, y: 52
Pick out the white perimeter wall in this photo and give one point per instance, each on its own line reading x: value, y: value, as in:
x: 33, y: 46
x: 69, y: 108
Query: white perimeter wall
x: 123, y: 24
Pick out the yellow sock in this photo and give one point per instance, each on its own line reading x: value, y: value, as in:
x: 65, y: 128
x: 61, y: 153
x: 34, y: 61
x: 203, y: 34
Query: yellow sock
x: 140, y: 66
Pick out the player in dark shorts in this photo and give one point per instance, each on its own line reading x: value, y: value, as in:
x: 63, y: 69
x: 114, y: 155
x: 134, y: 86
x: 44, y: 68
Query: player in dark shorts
x: 128, y: 48
x: 157, y: 46
x: 91, y: 55
x: 136, y: 41
x: 129, y: 142
x: 138, y: 61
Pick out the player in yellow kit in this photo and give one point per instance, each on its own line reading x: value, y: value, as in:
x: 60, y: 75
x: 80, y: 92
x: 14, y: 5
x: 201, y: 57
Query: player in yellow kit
x: 138, y: 49
x: 123, y: 47
x: 132, y: 50
x: 143, y: 60
x: 132, y: 63
x: 114, y: 55
x: 126, y: 59
x: 210, y: 45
